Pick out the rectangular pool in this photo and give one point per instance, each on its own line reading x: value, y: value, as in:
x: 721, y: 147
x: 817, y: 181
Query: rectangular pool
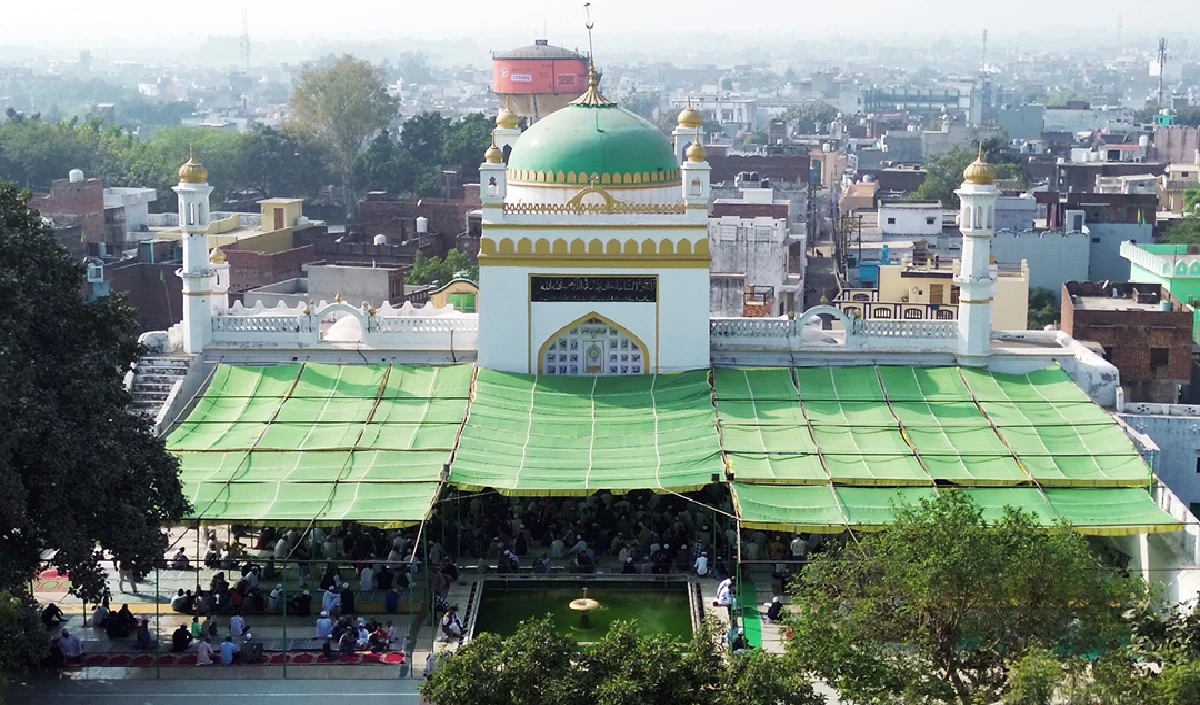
x: 657, y: 610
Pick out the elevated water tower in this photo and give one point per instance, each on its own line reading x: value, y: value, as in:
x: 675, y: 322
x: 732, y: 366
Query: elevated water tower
x: 536, y: 80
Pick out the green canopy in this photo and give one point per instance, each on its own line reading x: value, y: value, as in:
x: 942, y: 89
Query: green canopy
x: 550, y: 435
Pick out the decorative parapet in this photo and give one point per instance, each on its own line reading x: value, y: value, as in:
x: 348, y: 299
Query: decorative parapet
x: 618, y: 208
x: 931, y: 330
x: 1174, y: 261
x: 804, y: 333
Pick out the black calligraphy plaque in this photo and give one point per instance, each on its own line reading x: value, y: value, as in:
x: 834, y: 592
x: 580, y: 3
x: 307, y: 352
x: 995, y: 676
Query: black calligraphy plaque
x: 593, y: 289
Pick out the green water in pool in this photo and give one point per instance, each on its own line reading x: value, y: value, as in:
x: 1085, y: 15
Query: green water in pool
x: 655, y: 611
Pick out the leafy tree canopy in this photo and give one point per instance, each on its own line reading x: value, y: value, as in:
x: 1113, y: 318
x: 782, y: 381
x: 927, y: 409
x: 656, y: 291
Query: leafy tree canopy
x: 81, y: 472
x: 943, y: 174
x: 427, y: 270
x: 539, y: 666
x: 1043, y: 308
x: 936, y: 607
x: 1184, y: 232
x: 428, y: 143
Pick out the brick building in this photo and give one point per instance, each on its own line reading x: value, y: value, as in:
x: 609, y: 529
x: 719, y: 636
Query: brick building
x: 780, y: 169
x: 396, y: 218
x: 1144, y: 331
x: 76, y: 200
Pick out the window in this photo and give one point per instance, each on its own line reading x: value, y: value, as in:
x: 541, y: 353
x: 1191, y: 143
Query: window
x: 593, y: 347
x: 891, y: 221
x: 1197, y: 470
x: 463, y: 302
x: 929, y: 220
x: 1159, y: 357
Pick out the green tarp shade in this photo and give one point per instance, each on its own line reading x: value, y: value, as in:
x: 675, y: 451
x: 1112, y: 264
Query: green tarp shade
x: 873, y: 508
x: 324, y: 380
x: 224, y: 409
x: 1048, y: 385
x: 1111, y: 511
x: 200, y: 467
x: 1001, y: 471
x: 760, y: 413
x: 778, y: 469
x: 850, y: 440
x: 763, y: 384
x: 326, y: 410
x: 1101, y: 441
x: 417, y: 410
x: 767, y: 439
x: 849, y: 413
x: 821, y: 508
x: 906, y: 384
x: 1004, y: 414
x: 450, y: 382
x: 800, y: 509
x: 253, y: 381
x: 313, y: 466
x: 574, y: 435
x: 1088, y: 471
x: 954, y: 415
x: 839, y: 384
x: 932, y: 440
x: 386, y: 504
x: 1028, y: 499
x: 215, y: 436
x: 875, y: 470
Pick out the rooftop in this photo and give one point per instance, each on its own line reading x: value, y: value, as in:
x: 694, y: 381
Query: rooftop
x: 1108, y: 303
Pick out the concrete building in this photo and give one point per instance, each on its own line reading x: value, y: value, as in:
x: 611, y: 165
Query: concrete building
x: 1144, y: 330
x: 1021, y: 123
x: 1108, y: 220
x: 1175, y: 432
x: 1053, y: 257
x: 78, y: 200
x: 332, y: 282
x: 1173, y: 186
x: 918, y: 219
x: 1175, y: 143
x: 1016, y: 212
x: 951, y: 136
x: 130, y: 207
x: 1176, y: 267
x: 461, y: 294
x: 1084, y: 118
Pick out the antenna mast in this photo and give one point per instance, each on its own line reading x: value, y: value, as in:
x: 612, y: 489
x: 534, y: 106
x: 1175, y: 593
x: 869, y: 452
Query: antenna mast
x: 587, y: 8
x: 983, y: 58
x: 245, y: 40
x: 1162, y: 69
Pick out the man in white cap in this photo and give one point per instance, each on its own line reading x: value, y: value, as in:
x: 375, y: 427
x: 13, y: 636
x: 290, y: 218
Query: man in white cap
x: 324, y: 625
x: 702, y: 564
x: 273, y: 600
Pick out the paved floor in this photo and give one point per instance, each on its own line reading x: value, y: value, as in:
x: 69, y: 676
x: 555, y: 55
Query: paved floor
x: 206, y: 692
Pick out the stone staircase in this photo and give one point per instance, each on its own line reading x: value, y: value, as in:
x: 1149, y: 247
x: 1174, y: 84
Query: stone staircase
x: 153, y: 380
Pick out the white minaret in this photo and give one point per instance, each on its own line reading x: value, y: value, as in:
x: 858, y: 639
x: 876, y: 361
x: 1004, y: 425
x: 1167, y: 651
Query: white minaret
x: 197, y: 274
x: 493, y: 173
x: 977, y: 220
x: 508, y: 129
x: 688, y: 126
x: 696, y: 174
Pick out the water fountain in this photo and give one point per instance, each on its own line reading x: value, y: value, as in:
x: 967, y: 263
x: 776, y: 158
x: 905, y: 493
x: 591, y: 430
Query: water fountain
x: 584, y: 606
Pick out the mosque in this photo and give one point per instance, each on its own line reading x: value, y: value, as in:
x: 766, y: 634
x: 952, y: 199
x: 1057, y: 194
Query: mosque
x: 595, y: 364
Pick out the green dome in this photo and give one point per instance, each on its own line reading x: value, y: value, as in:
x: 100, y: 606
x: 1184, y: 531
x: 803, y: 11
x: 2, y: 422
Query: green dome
x: 581, y: 140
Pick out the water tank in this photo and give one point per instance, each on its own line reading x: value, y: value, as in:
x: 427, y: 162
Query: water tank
x: 1165, y: 306
x: 380, y: 239
x: 422, y: 224
x: 75, y: 176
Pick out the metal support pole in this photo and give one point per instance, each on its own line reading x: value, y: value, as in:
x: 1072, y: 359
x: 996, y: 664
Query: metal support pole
x: 157, y: 620
x: 284, y: 598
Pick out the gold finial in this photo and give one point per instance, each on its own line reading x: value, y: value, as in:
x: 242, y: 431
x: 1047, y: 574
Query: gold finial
x: 338, y: 298
x: 493, y: 155
x: 507, y: 120
x: 592, y: 97
x: 217, y: 256
x: 689, y: 117
x: 979, y: 172
x: 192, y: 171
x: 696, y: 153
x: 824, y: 300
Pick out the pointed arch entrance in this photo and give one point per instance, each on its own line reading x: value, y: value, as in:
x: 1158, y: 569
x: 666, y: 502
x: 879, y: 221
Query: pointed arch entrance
x: 593, y: 345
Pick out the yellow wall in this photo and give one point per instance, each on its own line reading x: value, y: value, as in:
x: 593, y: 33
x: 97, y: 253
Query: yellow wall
x: 441, y: 297
x: 292, y: 210
x: 1010, y: 302
x: 269, y: 242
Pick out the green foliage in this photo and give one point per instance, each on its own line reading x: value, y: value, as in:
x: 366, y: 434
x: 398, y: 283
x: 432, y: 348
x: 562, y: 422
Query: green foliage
x: 538, y: 666
x: 1034, y: 679
x: 943, y: 174
x: 1191, y: 201
x: 647, y: 104
x: 936, y: 607
x: 1181, y: 684
x: 81, y: 471
x: 759, y: 137
x: 1058, y: 98
x: 1184, y: 232
x: 427, y: 270
x: 1044, y: 309
x: 810, y: 113
x: 23, y: 639
x: 428, y: 143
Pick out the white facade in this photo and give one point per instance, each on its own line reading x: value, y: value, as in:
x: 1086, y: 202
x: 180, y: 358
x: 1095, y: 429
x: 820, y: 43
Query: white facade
x: 976, y: 219
x: 910, y: 218
x: 196, y: 273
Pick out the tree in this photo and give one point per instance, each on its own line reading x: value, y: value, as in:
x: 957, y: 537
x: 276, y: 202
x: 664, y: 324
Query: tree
x: 22, y: 635
x: 811, y: 113
x: 81, y: 471
x: 428, y: 270
x: 943, y: 174
x: 282, y: 162
x: 539, y: 666
x: 1184, y: 232
x: 464, y: 143
x: 1043, y: 308
x: 936, y: 607
x: 343, y: 106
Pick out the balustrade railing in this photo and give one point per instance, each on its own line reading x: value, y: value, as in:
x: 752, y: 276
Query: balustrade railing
x: 262, y: 324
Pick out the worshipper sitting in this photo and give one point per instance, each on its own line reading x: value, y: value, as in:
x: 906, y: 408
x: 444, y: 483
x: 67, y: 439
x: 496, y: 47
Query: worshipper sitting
x: 327, y: 649
x: 195, y: 628
x: 347, y: 642
x: 301, y: 605
x: 393, y: 636
x: 544, y: 565
x: 251, y: 651
x: 269, y: 571
x: 738, y: 643
x: 628, y: 568
x: 100, y: 615
x: 212, y: 557
x: 180, y: 561
x: 179, y: 602
x: 331, y: 602
x: 204, y: 652
x: 228, y: 651
x: 144, y: 642
x: 452, y: 626
x: 121, y: 624
x: 384, y: 578
x: 774, y: 609
x: 378, y: 639
x: 324, y: 626
x: 725, y: 596
x: 237, y: 625
x: 330, y: 579
x: 391, y: 601
x: 52, y: 616
x: 449, y: 568
x: 347, y: 599
x: 276, y: 594
x: 364, y: 635
x: 181, y: 639
x: 366, y: 578
x: 702, y: 564
x: 54, y: 657
x: 210, y: 626
x: 72, y: 647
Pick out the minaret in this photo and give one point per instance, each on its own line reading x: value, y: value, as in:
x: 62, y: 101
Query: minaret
x: 508, y: 129
x: 197, y: 275
x: 696, y: 174
x: 690, y: 122
x: 493, y: 173
x: 977, y: 220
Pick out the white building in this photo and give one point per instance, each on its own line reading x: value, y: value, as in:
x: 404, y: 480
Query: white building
x: 910, y: 218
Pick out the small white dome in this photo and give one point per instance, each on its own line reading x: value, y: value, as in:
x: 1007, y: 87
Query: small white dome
x: 75, y: 176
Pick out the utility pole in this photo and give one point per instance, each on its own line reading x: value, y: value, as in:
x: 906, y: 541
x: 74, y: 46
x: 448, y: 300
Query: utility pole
x: 245, y: 40
x: 983, y: 58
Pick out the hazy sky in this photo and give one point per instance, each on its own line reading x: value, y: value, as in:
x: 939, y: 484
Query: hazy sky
x: 499, y: 23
